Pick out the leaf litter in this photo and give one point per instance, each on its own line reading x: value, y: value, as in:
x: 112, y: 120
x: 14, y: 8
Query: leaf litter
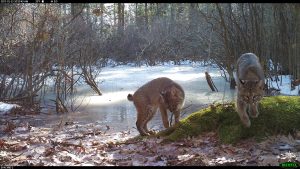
x: 91, y: 145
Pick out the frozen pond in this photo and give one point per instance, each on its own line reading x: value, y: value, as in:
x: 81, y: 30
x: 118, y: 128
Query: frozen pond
x: 114, y: 110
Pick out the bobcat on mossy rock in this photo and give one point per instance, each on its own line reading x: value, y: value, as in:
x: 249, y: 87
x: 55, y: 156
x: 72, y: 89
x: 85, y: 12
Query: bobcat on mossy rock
x: 162, y: 93
x: 250, y: 86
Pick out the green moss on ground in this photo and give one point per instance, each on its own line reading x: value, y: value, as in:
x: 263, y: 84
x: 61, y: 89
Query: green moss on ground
x: 278, y: 115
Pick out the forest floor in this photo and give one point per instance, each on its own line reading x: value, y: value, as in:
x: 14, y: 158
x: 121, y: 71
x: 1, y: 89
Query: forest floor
x: 75, y: 144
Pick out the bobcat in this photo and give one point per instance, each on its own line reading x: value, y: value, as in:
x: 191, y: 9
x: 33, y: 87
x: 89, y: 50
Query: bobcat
x: 250, y: 85
x: 162, y: 93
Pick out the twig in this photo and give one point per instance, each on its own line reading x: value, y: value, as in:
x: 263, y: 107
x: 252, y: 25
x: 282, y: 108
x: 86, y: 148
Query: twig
x: 185, y: 108
x: 171, y: 118
x: 84, y: 135
x: 67, y: 144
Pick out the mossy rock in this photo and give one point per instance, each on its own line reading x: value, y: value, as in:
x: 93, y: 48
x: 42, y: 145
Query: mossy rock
x: 278, y: 115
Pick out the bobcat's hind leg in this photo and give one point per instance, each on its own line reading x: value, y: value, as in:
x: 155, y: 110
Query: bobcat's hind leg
x: 140, y: 122
x: 242, y: 111
x: 149, y: 115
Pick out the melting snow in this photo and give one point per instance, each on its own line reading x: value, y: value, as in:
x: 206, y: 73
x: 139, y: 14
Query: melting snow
x: 5, y: 107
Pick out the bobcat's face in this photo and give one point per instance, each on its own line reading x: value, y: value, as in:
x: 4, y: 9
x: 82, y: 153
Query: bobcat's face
x: 250, y: 91
x: 174, y: 99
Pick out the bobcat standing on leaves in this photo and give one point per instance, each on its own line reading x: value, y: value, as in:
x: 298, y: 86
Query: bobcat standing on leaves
x: 250, y: 86
x: 162, y: 93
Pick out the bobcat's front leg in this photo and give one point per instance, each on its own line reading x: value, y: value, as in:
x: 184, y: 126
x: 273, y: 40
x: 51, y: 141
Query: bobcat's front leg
x: 253, y: 110
x: 176, y: 114
x: 242, y: 111
x: 164, y: 116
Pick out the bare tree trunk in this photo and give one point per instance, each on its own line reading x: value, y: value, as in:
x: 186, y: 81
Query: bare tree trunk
x: 115, y: 16
x: 172, y: 18
x: 146, y: 17
x: 192, y: 18
x: 101, y: 18
x: 228, y: 52
x: 120, y: 18
x: 29, y: 67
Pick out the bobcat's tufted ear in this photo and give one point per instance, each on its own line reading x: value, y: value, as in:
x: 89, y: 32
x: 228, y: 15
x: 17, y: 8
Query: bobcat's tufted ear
x: 242, y: 81
x: 163, y: 93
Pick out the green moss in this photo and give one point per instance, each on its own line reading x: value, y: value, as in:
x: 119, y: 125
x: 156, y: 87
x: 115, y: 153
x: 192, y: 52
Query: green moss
x: 278, y: 115
x: 198, y: 122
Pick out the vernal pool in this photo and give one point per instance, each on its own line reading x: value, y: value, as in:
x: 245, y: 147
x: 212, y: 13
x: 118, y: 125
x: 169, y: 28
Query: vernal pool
x: 112, y: 109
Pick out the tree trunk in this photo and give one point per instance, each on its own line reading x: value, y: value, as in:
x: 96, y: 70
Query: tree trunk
x: 192, y: 18
x: 120, y: 18
x: 172, y: 18
x: 29, y: 67
x: 101, y: 18
x: 146, y: 16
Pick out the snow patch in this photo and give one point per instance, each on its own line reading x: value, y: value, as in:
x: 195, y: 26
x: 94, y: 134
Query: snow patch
x: 284, y: 84
x: 6, y: 108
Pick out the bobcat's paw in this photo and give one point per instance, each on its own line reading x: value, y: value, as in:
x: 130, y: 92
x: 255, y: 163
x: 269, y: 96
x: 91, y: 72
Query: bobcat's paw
x: 254, y: 114
x: 152, y: 132
x: 246, y: 121
x: 144, y: 134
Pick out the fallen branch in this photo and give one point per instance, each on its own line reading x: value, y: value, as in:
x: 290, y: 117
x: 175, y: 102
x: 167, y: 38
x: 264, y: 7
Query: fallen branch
x: 210, y: 82
x: 84, y: 135
x: 66, y: 144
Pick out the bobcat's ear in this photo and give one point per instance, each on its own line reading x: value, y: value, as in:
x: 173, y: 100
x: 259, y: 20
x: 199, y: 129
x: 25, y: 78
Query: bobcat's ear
x: 163, y: 93
x: 242, y: 81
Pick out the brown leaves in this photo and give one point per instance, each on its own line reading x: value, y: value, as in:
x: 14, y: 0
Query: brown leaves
x: 2, y: 143
x: 17, y: 147
x: 9, y: 127
x: 87, y: 145
x: 49, y: 152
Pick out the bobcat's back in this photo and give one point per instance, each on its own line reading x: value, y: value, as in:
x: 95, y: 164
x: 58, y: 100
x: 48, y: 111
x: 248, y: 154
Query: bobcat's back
x: 150, y: 93
x: 249, y: 68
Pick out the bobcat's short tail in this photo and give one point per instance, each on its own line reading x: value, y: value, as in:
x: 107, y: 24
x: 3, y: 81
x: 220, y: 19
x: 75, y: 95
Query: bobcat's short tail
x: 130, y: 97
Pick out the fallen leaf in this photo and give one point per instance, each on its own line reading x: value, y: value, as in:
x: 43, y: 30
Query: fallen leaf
x: 18, y: 147
x: 48, y: 152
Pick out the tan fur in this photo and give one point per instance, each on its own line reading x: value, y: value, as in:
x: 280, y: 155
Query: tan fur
x: 162, y: 93
x: 250, y: 85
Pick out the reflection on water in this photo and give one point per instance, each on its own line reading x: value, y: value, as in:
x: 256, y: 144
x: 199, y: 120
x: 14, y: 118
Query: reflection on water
x: 114, y: 110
